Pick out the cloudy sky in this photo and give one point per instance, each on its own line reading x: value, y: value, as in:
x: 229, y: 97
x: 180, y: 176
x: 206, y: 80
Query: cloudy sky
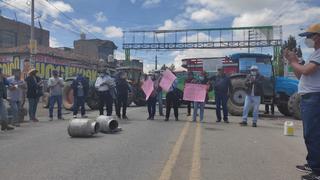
x: 107, y: 19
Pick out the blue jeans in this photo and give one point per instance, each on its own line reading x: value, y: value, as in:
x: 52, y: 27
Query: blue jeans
x: 152, y: 106
x: 79, y: 101
x: 199, y: 105
x: 221, y: 100
x: 52, y: 101
x: 251, y: 101
x: 3, y: 111
x: 15, y: 109
x: 159, y: 98
x: 310, y: 114
x: 33, y: 105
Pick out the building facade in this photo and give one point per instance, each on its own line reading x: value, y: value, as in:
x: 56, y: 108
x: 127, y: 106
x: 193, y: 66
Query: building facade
x: 95, y: 48
x: 14, y: 33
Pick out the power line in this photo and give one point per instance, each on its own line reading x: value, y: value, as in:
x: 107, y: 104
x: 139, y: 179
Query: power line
x: 47, y: 21
x: 69, y: 18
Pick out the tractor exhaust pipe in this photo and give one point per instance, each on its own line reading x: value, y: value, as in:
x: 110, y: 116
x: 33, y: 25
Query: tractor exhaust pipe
x: 108, y: 124
x: 83, y: 128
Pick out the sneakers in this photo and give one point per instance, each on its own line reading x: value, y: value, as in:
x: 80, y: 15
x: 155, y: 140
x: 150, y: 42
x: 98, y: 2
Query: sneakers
x: 84, y: 116
x: 218, y: 120
x: 51, y: 119
x: 61, y: 118
x: 166, y: 119
x: 311, y: 176
x: 188, y: 114
x: 304, y: 168
x: 254, y: 124
x: 74, y: 116
x: 243, y: 123
x: 125, y: 117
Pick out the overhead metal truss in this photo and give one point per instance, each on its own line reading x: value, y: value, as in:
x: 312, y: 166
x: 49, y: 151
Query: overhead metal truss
x: 213, y: 38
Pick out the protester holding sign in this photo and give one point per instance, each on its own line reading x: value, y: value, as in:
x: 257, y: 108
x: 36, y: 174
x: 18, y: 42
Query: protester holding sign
x: 203, y: 79
x: 152, y: 99
x: 169, y: 84
x: 189, y: 80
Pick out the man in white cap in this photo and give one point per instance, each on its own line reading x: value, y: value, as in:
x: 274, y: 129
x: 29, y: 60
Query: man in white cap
x: 309, y: 88
x: 254, y: 84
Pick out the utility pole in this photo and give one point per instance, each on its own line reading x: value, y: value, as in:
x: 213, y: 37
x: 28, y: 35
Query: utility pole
x: 156, y: 62
x: 33, y: 42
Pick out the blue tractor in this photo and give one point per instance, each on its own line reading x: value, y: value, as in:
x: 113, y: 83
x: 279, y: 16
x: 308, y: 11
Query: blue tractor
x: 280, y: 91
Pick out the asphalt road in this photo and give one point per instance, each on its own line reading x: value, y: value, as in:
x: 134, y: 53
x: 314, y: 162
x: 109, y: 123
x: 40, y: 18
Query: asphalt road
x: 147, y: 150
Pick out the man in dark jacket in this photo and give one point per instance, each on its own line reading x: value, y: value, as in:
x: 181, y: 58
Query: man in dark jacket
x: 123, y: 89
x: 3, y: 110
x: 34, y: 92
x: 222, y: 89
x: 80, y: 88
x: 254, y: 84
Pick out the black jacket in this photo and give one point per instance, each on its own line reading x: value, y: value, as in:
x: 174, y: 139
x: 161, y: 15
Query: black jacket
x: 3, y: 88
x: 257, y: 82
x: 33, y: 89
x: 85, y: 84
x: 122, y: 87
x: 222, y: 85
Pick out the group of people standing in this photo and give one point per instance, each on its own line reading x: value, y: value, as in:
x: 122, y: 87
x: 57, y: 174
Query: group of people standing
x: 220, y: 83
x: 13, y: 89
x: 113, y: 90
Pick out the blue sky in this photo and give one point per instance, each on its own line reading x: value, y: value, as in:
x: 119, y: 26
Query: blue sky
x: 106, y: 19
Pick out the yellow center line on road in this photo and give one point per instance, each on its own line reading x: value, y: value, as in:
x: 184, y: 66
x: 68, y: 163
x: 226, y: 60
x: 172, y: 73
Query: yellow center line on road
x: 195, y: 173
x: 167, y: 170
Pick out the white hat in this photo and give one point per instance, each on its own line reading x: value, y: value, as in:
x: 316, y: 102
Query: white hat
x: 254, y: 67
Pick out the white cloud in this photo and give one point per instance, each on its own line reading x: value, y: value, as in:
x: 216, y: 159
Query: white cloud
x: 54, y: 42
x: 113, y: 32
x: 150, y: 3
x: 85, y: 26
x: 100, y: 17
x: 171, y: 25
x: 203, y: 16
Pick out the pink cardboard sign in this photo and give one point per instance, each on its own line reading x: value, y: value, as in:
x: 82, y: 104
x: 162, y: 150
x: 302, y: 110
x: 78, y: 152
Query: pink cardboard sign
x: 167, y: 79
x: 195, y: 92
x: 147, y: 88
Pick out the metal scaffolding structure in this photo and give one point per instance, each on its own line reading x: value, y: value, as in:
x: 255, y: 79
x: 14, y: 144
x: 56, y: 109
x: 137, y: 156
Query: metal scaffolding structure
x: 213, y: 38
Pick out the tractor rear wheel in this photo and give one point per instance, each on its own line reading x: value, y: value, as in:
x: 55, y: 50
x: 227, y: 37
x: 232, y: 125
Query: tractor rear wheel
x: 238, y: 94
x: 283, y: 109
x: 93, y: 99
x: 294, y: 105
x: 67, y: 96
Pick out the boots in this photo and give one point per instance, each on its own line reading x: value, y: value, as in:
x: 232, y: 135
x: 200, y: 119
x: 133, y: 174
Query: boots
x: 5, y: 126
